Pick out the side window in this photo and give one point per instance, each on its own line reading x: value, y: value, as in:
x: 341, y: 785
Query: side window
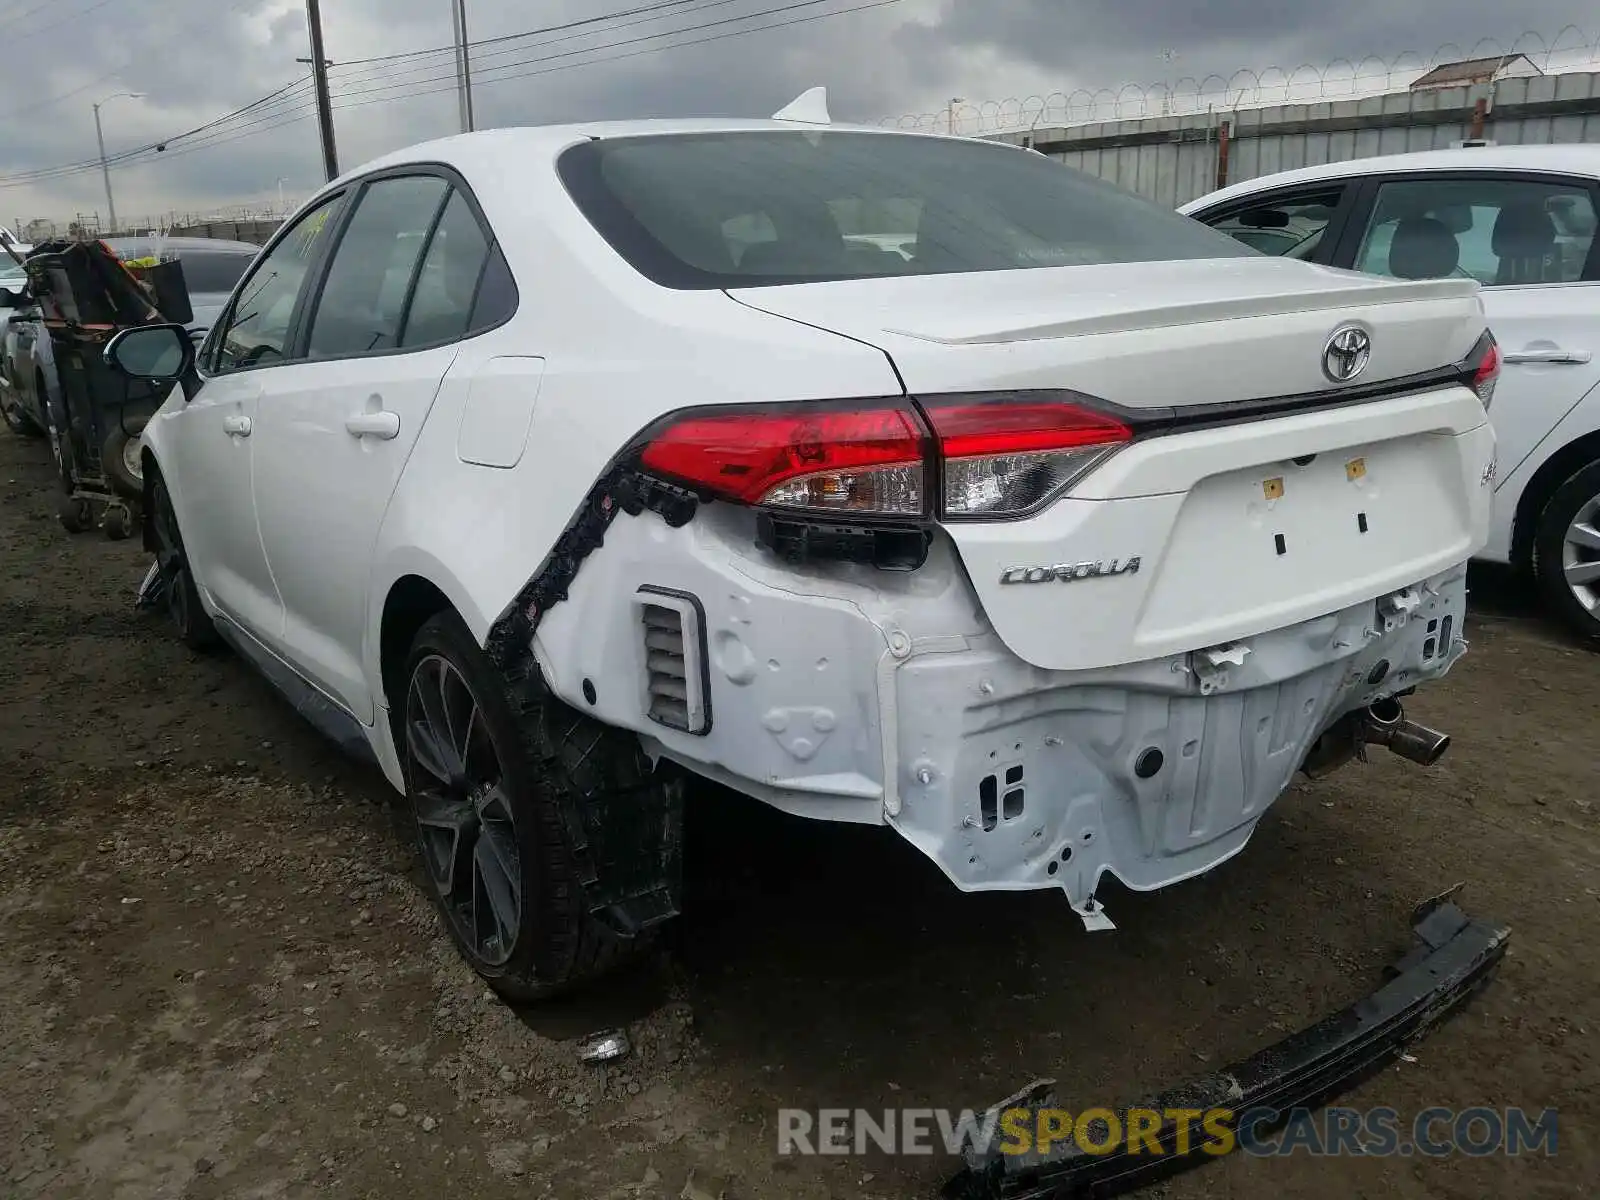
x: 363, y: 297
x: 497, y: 293
x: 1497, y: 231
x: 257, y: 327
x: 441, y: 310
x: 1286, y: 226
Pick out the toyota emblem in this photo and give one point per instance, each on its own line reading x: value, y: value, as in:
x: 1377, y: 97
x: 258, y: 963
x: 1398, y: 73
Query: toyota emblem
x: 1345, y: 356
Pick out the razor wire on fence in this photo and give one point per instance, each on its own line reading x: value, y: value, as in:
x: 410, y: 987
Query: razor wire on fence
x: 1340, y: 79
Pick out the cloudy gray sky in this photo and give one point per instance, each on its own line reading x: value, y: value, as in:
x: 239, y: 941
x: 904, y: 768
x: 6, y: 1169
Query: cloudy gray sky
x: 196, y: 60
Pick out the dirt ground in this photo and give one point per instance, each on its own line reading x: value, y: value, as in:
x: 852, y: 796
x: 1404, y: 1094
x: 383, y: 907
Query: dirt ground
x: 222, y: 980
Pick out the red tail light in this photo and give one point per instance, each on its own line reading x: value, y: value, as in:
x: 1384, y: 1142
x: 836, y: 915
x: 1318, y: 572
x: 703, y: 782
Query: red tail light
x: 1487, y: 372
x: 866, y: 460
x: 1008, y: 455
x: 1000, y: 455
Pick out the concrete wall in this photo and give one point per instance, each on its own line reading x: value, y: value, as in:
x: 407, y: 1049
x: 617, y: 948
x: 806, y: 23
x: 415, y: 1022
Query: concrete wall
x: 236, y: 231
x: 1176, y: 159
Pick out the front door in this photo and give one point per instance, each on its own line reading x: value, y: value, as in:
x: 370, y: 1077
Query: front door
x: 212, y: 439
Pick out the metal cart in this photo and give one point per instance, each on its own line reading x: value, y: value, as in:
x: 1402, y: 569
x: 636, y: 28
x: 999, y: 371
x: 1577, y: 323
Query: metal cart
x: 85, y: 295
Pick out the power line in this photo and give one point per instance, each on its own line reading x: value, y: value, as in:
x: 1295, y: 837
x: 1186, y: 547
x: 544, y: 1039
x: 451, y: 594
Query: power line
x: 512, y: 37
x: 372, y: 75
x: 277, y: 109
x: 277, y: 96
x: 485, y: 75
x: 77, y: 16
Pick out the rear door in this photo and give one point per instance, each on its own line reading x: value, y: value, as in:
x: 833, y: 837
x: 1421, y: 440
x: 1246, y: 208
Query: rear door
x: 1529, y: 239
x: 336, y: 428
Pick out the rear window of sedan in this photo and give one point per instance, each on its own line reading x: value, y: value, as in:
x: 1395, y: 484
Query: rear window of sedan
x: 210, y: 271
x: 752, y: 208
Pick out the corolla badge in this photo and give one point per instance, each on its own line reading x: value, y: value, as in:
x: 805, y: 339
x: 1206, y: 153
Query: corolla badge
x: 1070, y: 572
x: 1346, y: 354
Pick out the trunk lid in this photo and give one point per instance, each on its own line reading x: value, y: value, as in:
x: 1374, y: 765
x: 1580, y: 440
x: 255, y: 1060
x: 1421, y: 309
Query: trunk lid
x: 1139, y: 334
x: 1195, y: 538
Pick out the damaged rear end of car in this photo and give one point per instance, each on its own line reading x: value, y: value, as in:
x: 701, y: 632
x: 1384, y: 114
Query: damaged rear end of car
x: 1136, y: 537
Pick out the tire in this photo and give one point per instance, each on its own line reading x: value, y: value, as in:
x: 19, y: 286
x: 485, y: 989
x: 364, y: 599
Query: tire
x: 19, y: 422
x: 188, y: 617
x: 75, y: 515
x: 1566, y: 552
x: 118, y: 522
x: 519, y: 765
x: 119, y: 459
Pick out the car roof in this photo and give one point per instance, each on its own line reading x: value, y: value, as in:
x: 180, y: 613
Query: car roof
x: 126, y: 247
x: 1567, y: 159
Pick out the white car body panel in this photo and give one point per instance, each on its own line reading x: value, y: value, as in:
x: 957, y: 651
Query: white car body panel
x: 1540, y: 407
x: 841, y: 691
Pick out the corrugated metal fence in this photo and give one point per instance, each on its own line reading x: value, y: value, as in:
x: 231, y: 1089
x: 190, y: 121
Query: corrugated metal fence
x: 1176, y: 159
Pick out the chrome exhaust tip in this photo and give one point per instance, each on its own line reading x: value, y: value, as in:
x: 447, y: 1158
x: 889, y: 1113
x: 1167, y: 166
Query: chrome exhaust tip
x: 1386, y: 725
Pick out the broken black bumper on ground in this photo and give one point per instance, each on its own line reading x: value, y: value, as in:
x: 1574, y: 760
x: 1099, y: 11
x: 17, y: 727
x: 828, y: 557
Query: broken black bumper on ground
x: 1455, y: 958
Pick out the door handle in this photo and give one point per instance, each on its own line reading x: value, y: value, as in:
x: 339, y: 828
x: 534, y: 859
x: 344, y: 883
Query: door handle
x: 1548, y: 356
x: 381, y: 424
x: 237, y: 425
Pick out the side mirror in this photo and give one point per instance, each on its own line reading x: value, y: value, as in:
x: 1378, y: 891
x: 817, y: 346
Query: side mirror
x: 10, y: 299
x: 153, y: 353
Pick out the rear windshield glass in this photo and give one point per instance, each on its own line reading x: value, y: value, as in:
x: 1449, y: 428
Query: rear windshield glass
x: 743, y: 209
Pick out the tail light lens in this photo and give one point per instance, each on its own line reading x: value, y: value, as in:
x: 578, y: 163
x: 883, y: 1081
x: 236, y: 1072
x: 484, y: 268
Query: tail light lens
x: 994, y: 456
x: 858, y: 460
x: 1484, y: 364
x: 1005, y: 456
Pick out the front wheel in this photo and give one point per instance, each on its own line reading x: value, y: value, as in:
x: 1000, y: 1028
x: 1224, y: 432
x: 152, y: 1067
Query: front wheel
x: 1566, y: 556
x: 182, y: 596
x: 486, y: 793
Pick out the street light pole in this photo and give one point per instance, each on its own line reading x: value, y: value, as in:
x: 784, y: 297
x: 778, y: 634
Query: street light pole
x: 105, y: 167
x: 463, y: 66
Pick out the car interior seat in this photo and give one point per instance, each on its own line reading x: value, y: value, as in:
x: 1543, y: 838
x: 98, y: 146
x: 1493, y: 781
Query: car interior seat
x: 1524, y: 238
x: 1423, y: 248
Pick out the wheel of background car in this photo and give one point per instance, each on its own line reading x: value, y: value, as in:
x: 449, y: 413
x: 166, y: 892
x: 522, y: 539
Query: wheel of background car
x: 19, y: 422
x: 194, y: 628
x: 1566, y: 551
x: 487, y: 777
x: 121, y: 455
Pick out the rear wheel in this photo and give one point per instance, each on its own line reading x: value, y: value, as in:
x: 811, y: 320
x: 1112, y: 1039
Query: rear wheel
x: 182, y: 597
x: 486, y: 793
x: 1566, y: 557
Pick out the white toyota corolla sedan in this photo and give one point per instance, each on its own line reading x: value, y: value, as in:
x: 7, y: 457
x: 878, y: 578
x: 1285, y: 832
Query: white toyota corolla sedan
x: 882, y: 477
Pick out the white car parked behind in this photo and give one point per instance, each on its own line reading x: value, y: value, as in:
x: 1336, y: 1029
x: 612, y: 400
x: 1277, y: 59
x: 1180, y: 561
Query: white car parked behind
x: 1521, y: 221
x: 550, y: 466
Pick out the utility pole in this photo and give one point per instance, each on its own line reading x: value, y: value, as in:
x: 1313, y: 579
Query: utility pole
x: 105, y: 168
x: 319, y: 77
x: 463, y: 66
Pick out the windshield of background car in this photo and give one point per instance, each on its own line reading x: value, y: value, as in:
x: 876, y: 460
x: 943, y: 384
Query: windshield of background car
x: 743, y: 209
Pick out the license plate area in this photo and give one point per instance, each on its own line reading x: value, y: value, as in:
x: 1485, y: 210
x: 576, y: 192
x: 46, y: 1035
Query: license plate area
x: 1257, y: 537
